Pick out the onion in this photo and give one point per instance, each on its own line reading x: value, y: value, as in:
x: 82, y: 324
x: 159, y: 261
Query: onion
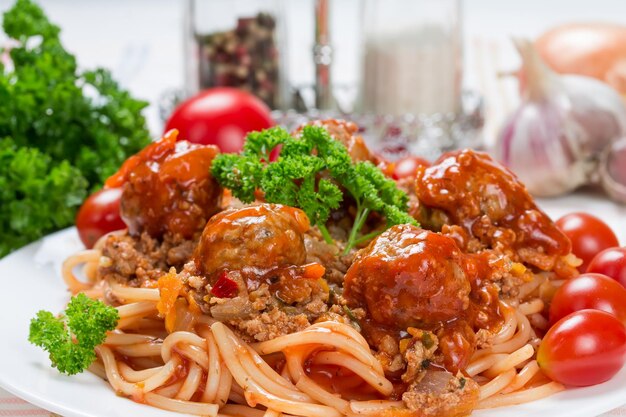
x: 434, y: 382
x: 554, y: 139
x: 440, y: 391
x: 596, y: 50
x: 232, y: 308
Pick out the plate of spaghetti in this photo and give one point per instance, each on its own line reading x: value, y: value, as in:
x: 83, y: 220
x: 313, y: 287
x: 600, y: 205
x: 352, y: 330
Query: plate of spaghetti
x: 308, y: 284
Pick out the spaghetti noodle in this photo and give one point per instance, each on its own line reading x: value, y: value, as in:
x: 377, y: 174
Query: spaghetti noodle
x: 205, y: 368
x: 235, y: 310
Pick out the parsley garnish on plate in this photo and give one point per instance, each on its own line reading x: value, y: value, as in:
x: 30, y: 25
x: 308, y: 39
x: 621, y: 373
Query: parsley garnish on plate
x: 311, y: 173
x: 71, y: 338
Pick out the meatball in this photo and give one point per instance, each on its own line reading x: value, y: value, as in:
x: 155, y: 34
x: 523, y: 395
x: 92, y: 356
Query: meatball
x: 410, y: 277
x: 168, y: 187
x: 260, y: 237
x: 471, y: 190
x: 346, y: 133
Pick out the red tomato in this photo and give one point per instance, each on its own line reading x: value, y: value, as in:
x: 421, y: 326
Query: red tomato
x: 589, y: 235
x: 99, y: 215
x: 220, y: 116
x: 589, y: 291
x: 275, y: 153
x: 407, y: 167
x: 610, y: 262
x: 585, y: 348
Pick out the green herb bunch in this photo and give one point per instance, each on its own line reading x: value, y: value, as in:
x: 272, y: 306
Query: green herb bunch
x: 313, y: 173
x: 70, y: 338
x: 64, y: 131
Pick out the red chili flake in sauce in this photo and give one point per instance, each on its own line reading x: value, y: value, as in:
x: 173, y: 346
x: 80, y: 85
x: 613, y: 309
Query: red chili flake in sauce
x: 225, y: 287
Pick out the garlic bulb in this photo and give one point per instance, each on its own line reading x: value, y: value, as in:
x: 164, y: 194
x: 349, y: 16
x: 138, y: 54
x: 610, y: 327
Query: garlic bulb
x: 613, y: 170
x: 553, y: 140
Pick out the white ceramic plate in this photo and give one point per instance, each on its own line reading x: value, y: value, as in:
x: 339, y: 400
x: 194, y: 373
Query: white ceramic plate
x: 30, y: 281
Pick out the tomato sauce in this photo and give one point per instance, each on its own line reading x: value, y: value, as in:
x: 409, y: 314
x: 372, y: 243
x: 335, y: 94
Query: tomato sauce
x: 168, y: 187
x: 473, y: 191
x: 253, y: 240
x: 409, y: 277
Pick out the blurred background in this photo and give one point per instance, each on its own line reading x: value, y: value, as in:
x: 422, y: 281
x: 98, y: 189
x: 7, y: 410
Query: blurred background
x: 419, y: 76
x: 143, y: 41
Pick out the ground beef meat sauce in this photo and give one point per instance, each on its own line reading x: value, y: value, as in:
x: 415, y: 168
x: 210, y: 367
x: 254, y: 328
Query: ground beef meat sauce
x: 140, y: 261
x: 170, y: 189
x: 492, y: 208
x: 330, y: 256
x: 423, y: 299
x: 486, y: 209
x: 260, y: 251
x: 168, y: 195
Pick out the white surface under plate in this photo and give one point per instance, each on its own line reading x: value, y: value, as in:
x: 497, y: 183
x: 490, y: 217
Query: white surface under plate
x: 29, y: 282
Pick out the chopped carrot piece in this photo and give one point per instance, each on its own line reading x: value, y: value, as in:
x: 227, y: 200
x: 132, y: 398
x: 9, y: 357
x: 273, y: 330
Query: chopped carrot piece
x: 313, y: 271
x: 170, y: 287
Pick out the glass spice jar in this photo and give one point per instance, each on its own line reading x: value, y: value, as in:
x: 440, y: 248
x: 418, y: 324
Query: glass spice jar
x: 412, y: 57
x: 235, y: 43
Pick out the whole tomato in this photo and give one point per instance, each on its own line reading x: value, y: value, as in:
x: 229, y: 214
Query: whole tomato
x: 99, y: 215
x: 589, y: 236
x: 589, y: 291
x: 220, y: 116
x: 584, y: 348
x: 610, y: 262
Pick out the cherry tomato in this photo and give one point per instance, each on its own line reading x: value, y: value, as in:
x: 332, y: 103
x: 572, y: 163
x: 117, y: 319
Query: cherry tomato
x: 99, y: 215
x: 407, y: 167
x: 589, y: 235
x: 610, y: 262
x: 584, y: 348
x: 220, y: 116
x: 589, y: 291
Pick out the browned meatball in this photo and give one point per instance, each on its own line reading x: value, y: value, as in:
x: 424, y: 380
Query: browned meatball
x: 260, y: 237
x: 471, y: 190
x: 410, y: 277
x: 168, y: 187
x: 346, y: 133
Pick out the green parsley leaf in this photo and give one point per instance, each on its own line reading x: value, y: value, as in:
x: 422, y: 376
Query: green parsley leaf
x: 70, y: 339
x: 36, y: 196
x: 66, y: 131
x: 311, y: 173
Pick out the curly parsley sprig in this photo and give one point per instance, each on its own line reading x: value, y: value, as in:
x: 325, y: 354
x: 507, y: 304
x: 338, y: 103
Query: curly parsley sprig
x: 71, y: 338
x: 310, y: 174
x: 63, y: 131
